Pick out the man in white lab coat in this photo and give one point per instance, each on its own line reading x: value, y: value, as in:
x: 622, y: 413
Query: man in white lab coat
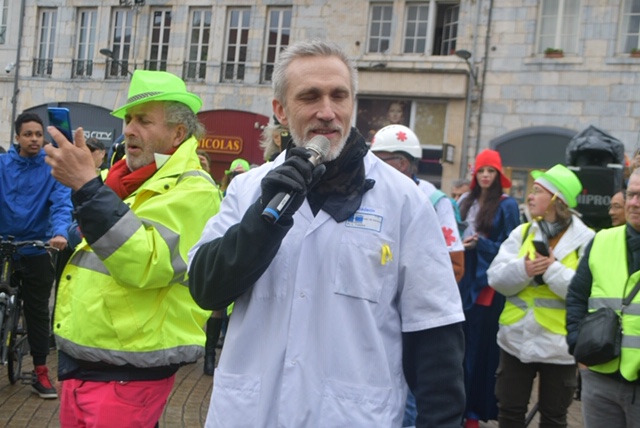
x: 340, y: 295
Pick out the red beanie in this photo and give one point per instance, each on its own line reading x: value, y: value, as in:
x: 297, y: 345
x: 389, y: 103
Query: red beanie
x: 490, y: 158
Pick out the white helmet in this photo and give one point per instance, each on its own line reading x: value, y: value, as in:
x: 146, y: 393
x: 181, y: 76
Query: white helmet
x: 397, y: 138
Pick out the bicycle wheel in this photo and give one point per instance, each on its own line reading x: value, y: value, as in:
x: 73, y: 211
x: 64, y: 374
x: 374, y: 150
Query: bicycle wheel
x: 14, y: 364
x: 16, y: 345
x: 4, y: 345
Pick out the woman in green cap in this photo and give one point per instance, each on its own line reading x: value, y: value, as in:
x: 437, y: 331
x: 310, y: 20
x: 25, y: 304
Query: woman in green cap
x: 238, y: 166
x: 533, y: 270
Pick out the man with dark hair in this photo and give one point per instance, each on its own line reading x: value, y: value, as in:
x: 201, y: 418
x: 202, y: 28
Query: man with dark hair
x: 97, y: 150
x: 125, y: 322
x: 351, y: 287
x: 34, y: 206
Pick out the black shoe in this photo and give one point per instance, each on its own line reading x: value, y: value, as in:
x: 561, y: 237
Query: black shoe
x: 43, y: 385
x: 209, y: 364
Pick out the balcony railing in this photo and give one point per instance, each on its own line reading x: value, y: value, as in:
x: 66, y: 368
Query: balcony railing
x: 42, y: 67
x: 232, y: 72
x: 117, y: 69
x: 155, y: 64
x: 81, y: 68
x: 194, y: 70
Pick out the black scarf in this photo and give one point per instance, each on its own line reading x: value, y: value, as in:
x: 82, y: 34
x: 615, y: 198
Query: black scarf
x: 340, y: 189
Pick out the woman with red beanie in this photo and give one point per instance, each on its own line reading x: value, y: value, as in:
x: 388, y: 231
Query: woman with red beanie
x: 491, y: 215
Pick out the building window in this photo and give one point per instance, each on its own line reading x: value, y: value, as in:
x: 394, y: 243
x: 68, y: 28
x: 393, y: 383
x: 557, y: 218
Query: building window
x: 558, y: 25
x: 380, y: 17
x: 630, y: 34
x: 233, y: 68
x: 431, y: 33
x: 3, y: 21
x: 279, y: 31
x: 446, y: 38
x: 196, y: 67
x: 82, y: 65
x: 43, y: 64
x: 159, y: 49
x: 121, y: 29
x: 415, y: 33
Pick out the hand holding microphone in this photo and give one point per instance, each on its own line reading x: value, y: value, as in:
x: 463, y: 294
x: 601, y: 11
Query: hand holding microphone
x: 285, y: 187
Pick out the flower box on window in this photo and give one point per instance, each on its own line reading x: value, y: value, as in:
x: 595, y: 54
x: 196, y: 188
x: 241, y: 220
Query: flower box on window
x: 553, y: 53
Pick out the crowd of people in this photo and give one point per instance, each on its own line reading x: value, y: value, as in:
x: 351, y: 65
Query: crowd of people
x: 370, y: 298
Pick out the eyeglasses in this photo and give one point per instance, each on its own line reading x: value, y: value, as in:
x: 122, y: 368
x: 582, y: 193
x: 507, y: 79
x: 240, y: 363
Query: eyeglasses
x: 616, y: 207
x: 631, y: 195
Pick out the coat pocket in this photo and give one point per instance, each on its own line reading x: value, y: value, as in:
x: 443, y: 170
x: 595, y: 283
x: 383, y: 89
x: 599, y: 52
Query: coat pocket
x: 365, y: 265
x: 235, y: 401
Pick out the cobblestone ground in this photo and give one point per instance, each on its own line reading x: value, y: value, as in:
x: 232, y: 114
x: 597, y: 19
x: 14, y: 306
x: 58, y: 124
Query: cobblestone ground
x: 187, y: 405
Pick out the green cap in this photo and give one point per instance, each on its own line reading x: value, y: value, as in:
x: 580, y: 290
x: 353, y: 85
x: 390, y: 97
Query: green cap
x: 238, y: 165
x: 149, y: 85
x: 562, y: 181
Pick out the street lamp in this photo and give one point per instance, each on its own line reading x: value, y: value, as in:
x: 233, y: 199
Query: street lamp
x: 109, y: 54
x: 465, y: 55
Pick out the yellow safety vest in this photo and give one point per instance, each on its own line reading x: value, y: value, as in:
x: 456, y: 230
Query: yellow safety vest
x: 611, y: 282
x: 549, y: 310
x: 109, y: 309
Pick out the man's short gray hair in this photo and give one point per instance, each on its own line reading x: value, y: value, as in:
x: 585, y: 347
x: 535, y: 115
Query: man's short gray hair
x: 307, y: 48
x: 177, y: 113
x: 461, y: 182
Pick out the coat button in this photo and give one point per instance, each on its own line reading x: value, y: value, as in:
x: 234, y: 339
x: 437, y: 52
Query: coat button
x: 68, y: 277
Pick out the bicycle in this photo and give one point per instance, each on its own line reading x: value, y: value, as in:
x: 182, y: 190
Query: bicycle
x: 13, y: 333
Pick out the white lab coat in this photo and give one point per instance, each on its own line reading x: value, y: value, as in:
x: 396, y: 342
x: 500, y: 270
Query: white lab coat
x: 446, y: 217
x: 317, y: 341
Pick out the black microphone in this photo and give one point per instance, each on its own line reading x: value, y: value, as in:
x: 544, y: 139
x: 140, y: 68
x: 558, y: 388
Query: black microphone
x: 318, y: 147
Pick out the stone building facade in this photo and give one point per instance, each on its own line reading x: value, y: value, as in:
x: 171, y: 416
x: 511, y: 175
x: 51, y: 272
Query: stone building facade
x: 506, y: 94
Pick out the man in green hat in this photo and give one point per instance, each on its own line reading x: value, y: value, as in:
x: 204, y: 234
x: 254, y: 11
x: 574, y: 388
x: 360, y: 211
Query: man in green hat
x: 125, y: 321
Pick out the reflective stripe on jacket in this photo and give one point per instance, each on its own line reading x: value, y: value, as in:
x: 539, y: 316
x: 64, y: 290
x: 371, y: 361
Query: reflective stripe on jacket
x: 125, y: 299
x: 608, y: 264
x: 549, y: 310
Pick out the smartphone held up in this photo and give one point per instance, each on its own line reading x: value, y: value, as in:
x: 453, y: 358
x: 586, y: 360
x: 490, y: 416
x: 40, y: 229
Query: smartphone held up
x: 60, y: 118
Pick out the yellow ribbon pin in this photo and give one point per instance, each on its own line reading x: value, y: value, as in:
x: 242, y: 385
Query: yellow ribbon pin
x: 386, y: 255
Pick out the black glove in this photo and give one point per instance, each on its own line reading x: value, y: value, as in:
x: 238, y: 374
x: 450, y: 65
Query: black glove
x: 296, y: 176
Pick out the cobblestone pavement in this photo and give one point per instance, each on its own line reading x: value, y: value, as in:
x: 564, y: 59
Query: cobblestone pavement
x: 187, y: 406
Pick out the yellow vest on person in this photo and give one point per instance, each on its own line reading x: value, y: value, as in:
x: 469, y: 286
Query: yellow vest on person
x: 125, y: 299
x: 611, y: 282
x: 549, y: 310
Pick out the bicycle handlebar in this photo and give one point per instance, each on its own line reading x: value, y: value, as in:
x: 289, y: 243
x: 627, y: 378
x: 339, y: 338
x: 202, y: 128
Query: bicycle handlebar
x: 10, y: 246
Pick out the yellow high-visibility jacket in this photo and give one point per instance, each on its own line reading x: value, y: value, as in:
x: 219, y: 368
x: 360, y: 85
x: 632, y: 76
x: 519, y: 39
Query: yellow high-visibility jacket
x: 123, y: 297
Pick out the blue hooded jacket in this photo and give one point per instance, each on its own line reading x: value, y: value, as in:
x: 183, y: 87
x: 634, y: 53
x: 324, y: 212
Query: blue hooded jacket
x: 33, y: 205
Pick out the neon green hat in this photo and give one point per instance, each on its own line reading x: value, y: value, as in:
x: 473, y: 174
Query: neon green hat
x: 238, y: 165
x: 561, y: 181
x: 149, y: 85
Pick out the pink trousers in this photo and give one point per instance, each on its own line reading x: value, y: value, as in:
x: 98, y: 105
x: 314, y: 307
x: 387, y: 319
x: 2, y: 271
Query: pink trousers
x: 86, y: 404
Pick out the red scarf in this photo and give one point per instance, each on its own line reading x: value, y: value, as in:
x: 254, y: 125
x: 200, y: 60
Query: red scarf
x: 124, y: 182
